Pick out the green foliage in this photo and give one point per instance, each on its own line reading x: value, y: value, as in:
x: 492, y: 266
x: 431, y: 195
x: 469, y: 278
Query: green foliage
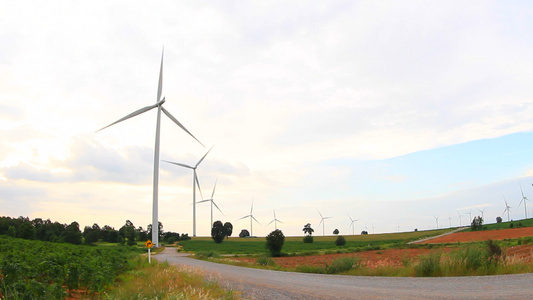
x: 340, y: 241
x: 477, y: 223
x: 43, y: 270
x: 499, y: 219
x: 228, y: 229
x: 429, y: 265
x: 217, y: 232
x: 207, y: 254
x: 308, y: 239
x: 265, y: 261
x: 274, y: 242
x: 340, y: 265
x: 308, y: 230
x: 336, y: 231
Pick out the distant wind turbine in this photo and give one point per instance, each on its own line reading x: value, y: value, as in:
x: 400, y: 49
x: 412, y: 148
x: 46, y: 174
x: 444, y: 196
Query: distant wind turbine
x: 251, y: 216
x: 322, y: 222
x: 398, y: 227
x: 159, y: 106
x: 212, y: 200
x: 507, y: 209
x: 482, y: 211
x: 450, y: 219
x: 372, y: 228
x: 524, y: 199
x: 195, y: 184
x: 460, y: 225
x: 437, y: 221
x: 275, y: 220
x: 470, y: 214
x: 352, y: 224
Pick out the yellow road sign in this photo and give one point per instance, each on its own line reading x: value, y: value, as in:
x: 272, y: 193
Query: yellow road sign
x: 149, y: 244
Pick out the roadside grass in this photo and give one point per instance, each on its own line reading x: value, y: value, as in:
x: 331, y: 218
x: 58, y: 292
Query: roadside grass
x: 162, y: 281
x: 321, y: 244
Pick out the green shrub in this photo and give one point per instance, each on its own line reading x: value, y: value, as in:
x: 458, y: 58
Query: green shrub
x: 274, y: 242
x: 265, y: 261
x: 340, y: 241
x: 428, y: 265
x: 343, y: 264
x: 308, y: 239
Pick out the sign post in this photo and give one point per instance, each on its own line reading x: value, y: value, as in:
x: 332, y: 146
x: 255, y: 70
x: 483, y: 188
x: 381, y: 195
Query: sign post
x: 149, y: 245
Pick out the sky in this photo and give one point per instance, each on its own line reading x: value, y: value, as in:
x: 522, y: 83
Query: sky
x: 399, y: 115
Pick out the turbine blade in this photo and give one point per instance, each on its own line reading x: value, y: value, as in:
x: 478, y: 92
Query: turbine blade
x: 214, y: 187
x: 322, y: 220
x: 279, y: 221
x: 243, y: 217
x: 198, y: 184
x: 216, y: 206
x: 204, y: 156
x: 252, y: 209
x: 178, y: 164
x: 320, y: 214
x: 256, y: 220
x: 133, y: 114
x: 202, y: 201
x: 170, y: 116
x: 160, y: 84
x: 271, y: 222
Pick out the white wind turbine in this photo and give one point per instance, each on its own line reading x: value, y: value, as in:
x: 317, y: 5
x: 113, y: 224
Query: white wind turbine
x: 322, y: 222
x: 524, y: 199
x: 507, y: 209
x: 195, y: 183
x: 159, y: 106
x: 212, y: 200
x: 450, y: 219
x: 460, y: 225
x: 482, y: 211
x: 372, y: 228
x: 352, y: 221
x: 437, y: 221
x: 470, y: 214
x: 275, y: 220
x: 251, y: 216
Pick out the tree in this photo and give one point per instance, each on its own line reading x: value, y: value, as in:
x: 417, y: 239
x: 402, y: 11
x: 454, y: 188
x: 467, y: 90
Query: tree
x: 498, y: 219
x: 228, y: 228
x: 218, y: 232
x: 477, y: 223
x: 308, y: 230
x: 73, y: 234
x: 364, y: 232
x: 340, y: 241
x: 90, y: 235
x: 336, y: 231
x: 274, y: 242
x: 244, y: 233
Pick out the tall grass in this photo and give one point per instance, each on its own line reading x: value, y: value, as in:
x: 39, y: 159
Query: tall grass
x: 161, y: 281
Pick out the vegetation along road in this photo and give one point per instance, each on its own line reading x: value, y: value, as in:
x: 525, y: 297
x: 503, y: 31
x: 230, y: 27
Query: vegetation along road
x: 266, y: 284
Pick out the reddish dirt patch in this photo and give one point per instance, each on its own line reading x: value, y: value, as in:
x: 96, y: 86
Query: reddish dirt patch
x: 474, y: 236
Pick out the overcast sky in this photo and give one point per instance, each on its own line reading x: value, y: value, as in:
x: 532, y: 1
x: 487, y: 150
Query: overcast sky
x: 392, y: 113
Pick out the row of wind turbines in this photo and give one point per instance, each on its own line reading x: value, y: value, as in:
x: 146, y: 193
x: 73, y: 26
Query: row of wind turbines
x: 523, y: 201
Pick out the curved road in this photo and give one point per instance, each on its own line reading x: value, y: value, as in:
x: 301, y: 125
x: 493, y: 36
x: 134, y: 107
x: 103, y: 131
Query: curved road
x: 266, y: 284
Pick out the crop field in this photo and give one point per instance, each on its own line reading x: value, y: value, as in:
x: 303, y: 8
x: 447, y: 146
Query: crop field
x: 295, y: 245
x: 44, y: 270
x: 507, y: 225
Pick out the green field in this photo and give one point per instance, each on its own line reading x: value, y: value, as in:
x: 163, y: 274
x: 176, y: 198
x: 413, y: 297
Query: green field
x: 507, y: 225
x: 295, y: 245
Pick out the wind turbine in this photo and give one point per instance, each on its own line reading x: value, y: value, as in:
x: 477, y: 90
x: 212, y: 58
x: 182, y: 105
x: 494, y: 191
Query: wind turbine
x: 275, y: 220
x: 212, y: 200
x: 460, y: 224
x: 322, y: 222
x: 352, y: 225
x: 470, y: 214
x: 159, y: 106
x: 507, y: 209
x: 194, y: 184
x: 251, y: 217
x: 372, y: 228
x: 398, y: 227
x: 450, y: 219
x: 482, y: 211
x: 437, y: 220
x: 524, y: 199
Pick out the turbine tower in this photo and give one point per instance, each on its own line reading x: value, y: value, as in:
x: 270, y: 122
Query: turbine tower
x: 159, y: 105
x: 524, y: 199
x: 251, y: 216
x: 437, y: 221
x: 322, y: 222
x: 507, y: 209
x: 352, y: 221
x: 195, y: 183
x: 482, y: 211
x: 460, y: 223
x: 212, y: 200
x: 275, y: 220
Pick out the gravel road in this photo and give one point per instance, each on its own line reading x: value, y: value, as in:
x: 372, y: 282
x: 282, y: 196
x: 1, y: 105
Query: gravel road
x: 265, y: 284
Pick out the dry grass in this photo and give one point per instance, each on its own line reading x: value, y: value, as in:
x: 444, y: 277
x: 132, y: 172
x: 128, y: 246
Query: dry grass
x: 161, y: 281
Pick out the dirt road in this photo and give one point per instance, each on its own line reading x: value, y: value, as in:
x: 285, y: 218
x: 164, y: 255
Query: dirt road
x: 265, y: 284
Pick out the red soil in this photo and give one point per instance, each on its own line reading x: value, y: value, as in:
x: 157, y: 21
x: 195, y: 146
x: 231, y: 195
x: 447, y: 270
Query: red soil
x: 396, y: 257
x: 474, y: 236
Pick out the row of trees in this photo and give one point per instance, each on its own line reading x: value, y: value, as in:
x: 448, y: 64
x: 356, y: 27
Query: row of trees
x: 46, y: 230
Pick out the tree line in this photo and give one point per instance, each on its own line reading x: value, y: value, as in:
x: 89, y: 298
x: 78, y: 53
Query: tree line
x: 46, y: 230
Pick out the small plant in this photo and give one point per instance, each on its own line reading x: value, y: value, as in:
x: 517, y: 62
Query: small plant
x: 340, y: 241
x: 308, y: 239
x: 274, y: 242
x: 265, y: 261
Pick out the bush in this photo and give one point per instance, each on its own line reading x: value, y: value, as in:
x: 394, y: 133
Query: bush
x: 274, y: 242
x: 217, y: 232
x: 308, y: 239
x: 343, y: 264
x: 244, y: 233
x: 340, y: 241
x: 265, y: 261
x: 477, y: 224
x: 428, y: 265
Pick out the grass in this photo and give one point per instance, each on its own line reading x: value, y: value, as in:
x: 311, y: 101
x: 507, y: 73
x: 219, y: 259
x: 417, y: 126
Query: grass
x: 507, y: 225
x: 295, y: 245
x: 162, y: 281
